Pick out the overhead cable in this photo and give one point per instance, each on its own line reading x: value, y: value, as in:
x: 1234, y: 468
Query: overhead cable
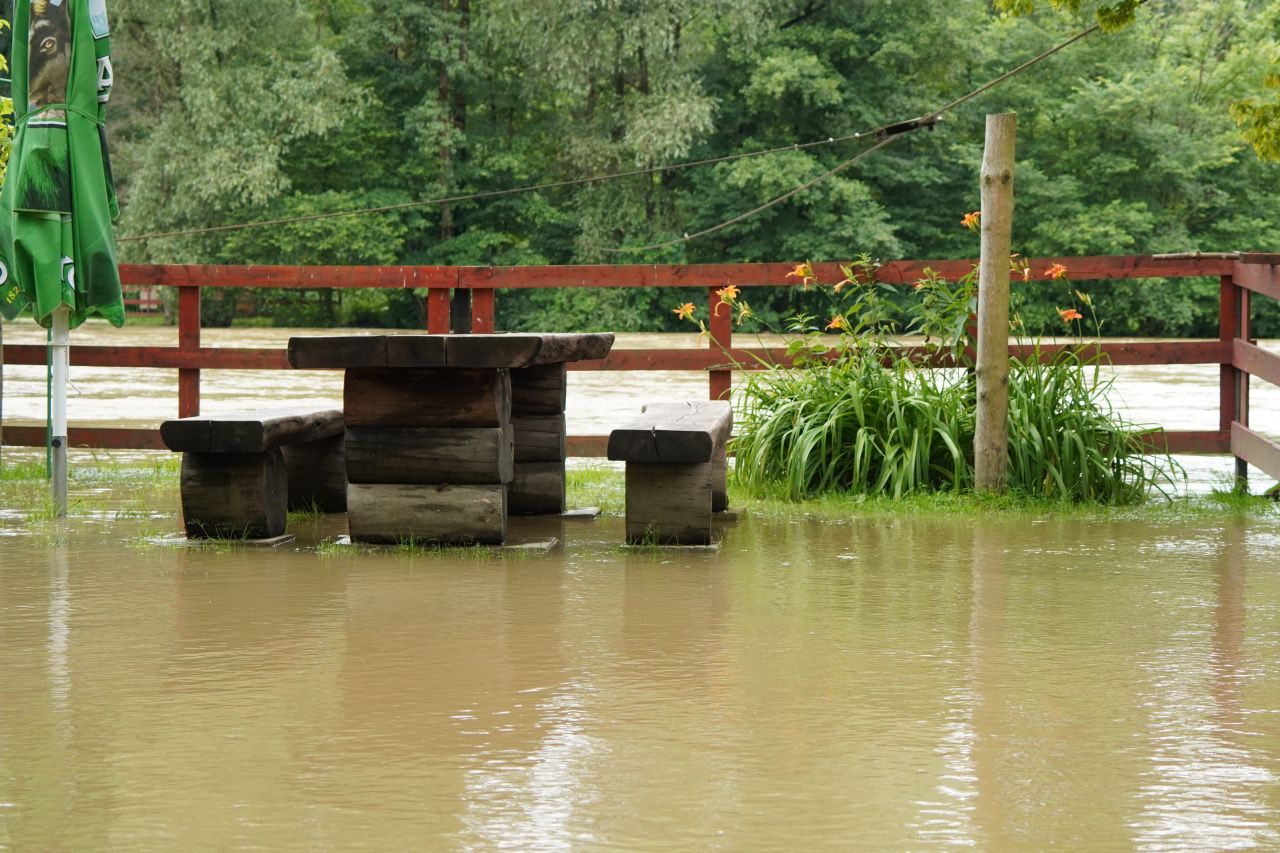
x: 884, y: 134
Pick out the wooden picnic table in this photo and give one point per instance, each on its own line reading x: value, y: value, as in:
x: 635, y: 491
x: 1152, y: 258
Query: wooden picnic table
x: 448, y: 434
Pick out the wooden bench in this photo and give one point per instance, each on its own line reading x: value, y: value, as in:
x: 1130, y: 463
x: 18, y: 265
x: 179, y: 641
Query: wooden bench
x: 676, y: 470
x: 242, y: 472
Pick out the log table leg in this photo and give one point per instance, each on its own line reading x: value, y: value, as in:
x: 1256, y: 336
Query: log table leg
x: 429, y: 454
x: 538, y: 397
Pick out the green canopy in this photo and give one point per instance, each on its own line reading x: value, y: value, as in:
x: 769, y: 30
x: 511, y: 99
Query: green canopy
x: 57, y: 203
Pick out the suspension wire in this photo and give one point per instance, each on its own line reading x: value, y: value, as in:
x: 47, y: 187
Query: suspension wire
x: 549, y: 185
x: 885, y: 134
x: 774, y: 202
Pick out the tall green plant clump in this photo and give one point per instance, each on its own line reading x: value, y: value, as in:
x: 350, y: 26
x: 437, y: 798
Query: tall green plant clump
x: 862, y: 415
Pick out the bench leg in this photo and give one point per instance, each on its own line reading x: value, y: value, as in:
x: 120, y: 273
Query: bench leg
x: 537, y: 489
x: 537, y: 417
x: 720, y: 476
x: 317, y: 474
x: 234, y: 495
x: 669, y: 504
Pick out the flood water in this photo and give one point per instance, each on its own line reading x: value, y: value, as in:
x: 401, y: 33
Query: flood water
x: 892, y: 684
x: 889, y: 683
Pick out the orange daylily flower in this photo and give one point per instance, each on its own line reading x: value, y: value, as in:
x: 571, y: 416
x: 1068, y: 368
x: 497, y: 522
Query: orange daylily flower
x: 972, y: 220
x: 728, y: 293
x: 804, y: 272
x: 1056, y: 271
x: 1069, y: 314
x: 684, y: 312
x: 838, y: 322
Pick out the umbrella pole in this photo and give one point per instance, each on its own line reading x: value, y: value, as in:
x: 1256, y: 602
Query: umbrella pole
x: 59, y: 347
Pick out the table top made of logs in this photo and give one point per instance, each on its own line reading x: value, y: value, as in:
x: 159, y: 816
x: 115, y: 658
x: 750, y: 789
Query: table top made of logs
x: 461, y: 351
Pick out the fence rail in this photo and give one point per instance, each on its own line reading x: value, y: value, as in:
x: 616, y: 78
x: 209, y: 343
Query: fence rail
x: 1238, y: 357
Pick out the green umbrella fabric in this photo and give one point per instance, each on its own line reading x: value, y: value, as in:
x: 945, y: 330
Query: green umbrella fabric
x: 56, y: 242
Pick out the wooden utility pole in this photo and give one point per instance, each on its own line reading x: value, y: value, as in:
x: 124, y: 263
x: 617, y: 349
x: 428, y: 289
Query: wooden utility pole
x: 991, y: 437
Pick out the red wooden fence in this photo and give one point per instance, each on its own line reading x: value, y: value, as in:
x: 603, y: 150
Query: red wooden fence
x: 1234, y: 352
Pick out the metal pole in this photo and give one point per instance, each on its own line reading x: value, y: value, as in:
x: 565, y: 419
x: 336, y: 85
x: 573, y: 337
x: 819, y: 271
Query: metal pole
x: 59, y: 347
x: 1, y: 393
x: 991, y: 436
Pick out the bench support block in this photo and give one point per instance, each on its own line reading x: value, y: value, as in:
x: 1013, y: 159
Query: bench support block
x: 669, y: 504
x: 234, y: 495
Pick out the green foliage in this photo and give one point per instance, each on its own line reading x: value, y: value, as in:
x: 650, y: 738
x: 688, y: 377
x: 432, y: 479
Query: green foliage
x: 1126, y: 142
x: 859, y: 416
x: 1066, y: 442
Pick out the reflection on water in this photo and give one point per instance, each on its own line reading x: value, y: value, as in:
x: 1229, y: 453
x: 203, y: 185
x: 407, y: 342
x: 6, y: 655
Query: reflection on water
x: 894, y: 683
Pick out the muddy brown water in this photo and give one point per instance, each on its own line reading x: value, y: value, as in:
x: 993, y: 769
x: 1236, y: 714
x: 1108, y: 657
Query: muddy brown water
x: 893, y: 684
x: 890, y: 683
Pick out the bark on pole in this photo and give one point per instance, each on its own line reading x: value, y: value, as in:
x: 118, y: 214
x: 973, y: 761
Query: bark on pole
x: 991, y: 437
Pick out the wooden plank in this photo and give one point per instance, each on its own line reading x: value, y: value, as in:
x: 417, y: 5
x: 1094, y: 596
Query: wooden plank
x: 628, y: 275
x: 429, y: 454
x: 339, y: 351
x: 249, y: 432
x: 1258, y: 450
x: 668, y: 504
x: 514, y: 350
x: 1228, y: 329
x: 233, y: 495
x: 587, y: 446
x: 1086, y: 268
x: 747, y: 358
x: 539, y: 438
x: 426, y: 397
x: 1256, y: 361
x: 537, y: 489
x: 107, y: 438
x: 317, y: 474
x: 416, y: 350
x: 540, y: 390
x: 1259, y: 278
x: 1186, y: 441
x: 720, y: 382
x: 482, y: 311
x: 666, y: 433
x: 297, y: 277
x: 211, y: 357
x: 576, y: 347
x: 393, y: 513
x: 188, y: 340
x: 438, y: 310
x: 1259, y: 258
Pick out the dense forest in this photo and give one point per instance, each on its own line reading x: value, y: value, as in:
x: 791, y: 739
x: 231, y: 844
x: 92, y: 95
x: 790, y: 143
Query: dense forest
x: 237, y: 110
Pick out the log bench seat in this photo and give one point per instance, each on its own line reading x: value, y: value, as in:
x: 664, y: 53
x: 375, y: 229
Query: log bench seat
x: 242, y: 472
x: 676, y: 470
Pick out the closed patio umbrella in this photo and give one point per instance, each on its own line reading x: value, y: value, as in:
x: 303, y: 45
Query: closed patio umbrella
x: 57, y: 250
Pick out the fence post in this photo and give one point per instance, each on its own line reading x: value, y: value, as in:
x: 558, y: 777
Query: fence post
x: 188, y: 342
x: 991, y: 436
x: 1244, y: 332
x: 721, y: 327
x: 1228, y: 330
x: 438, y: 310
x: 482, y: 310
